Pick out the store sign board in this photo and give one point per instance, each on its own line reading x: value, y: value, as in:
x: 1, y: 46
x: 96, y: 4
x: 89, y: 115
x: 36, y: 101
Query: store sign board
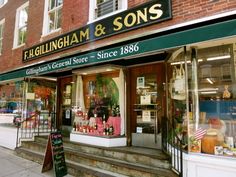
x: 151, y: 12
x: 221, y: 30
x: 54, y: 155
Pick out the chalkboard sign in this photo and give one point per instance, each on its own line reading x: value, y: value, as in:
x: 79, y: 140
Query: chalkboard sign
x: 54, y: 155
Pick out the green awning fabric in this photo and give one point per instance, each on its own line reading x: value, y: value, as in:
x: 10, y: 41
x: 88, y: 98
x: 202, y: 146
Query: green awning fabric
x: 178, y: 39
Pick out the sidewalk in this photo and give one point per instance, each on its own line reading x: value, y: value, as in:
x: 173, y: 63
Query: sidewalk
x: 14, y: 166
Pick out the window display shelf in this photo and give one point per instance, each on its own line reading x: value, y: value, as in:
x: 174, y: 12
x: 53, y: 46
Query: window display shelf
x: 104, y: 141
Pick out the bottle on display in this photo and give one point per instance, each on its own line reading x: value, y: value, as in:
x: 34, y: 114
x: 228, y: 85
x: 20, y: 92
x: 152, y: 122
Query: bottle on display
x: 104, y: 121
x: 74, y: 126
x: 107, y: 130
x: 104, y: 131
x: 111, y: 130
x: 95, y: 126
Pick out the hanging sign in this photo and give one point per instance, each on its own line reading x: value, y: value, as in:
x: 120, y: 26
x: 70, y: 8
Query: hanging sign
x: 54, y: 155
x: 145, y: 14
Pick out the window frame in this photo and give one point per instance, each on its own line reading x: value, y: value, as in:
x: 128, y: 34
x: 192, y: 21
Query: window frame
x: 16, y: 33
x: 123, y: 5
x: 46, y: 28
x: 3, y: 3
x: 2, y: 23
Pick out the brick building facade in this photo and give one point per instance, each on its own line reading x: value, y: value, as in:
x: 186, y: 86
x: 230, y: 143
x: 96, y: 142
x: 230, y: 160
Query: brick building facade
x: 115, y: 76
x: 75, y: 15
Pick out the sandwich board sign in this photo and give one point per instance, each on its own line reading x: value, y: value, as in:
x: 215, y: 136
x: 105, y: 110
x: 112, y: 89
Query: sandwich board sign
x: 54, y: 155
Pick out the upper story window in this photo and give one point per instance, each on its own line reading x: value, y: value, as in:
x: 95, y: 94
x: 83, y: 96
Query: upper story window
x: 103, y: 8
x: 2, y: 3
x: 53, y: 12
x: 1, y: 34
x: 21, y: 25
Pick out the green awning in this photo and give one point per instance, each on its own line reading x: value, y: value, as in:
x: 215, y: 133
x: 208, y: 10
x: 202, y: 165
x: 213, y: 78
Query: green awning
x: 178, y: 39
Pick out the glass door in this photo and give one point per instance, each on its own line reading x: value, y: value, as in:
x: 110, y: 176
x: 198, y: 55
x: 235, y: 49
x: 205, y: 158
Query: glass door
x: 146, y: 104
x: 65, y: 103
x: 147, y: 91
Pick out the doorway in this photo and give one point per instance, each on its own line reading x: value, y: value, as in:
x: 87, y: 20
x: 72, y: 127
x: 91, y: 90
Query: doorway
x: 147, y: 98
x: 64, y: 105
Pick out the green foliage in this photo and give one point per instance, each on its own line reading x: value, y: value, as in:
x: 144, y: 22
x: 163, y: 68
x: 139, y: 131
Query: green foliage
x: 107, y: 88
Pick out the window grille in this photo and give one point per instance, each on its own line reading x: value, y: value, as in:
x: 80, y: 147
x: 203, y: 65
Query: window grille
x: 105, y: 7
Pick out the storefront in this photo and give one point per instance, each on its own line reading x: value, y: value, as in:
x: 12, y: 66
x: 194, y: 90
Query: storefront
x: 120, y: 94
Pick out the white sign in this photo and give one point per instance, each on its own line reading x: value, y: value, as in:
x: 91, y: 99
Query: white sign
x: 146, y: 116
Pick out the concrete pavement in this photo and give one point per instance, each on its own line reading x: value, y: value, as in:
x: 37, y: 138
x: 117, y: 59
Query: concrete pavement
x: 7, y: 131
x: 14, y: 166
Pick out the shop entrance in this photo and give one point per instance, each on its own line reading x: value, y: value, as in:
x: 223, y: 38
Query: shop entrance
x: 65, y: 104
x: 147, y: 104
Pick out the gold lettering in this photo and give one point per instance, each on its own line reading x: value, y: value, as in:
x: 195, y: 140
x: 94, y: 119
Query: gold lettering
x: 26, y: 55
x: 142, y: 15
x: 133, y: 20
x: 60, y: 43
x: 48, y: 47
x: 31, y: 53
x: 84, y: 34
x: 66, y: 41
x: 37, y: 51
x: 54, y: 45
x: 118, y: 25
x: 42, y: 49
x: 74, y: 39
x: 156, y: 13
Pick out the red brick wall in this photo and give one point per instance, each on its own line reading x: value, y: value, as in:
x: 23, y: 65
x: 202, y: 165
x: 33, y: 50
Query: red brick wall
x: 75, y: 15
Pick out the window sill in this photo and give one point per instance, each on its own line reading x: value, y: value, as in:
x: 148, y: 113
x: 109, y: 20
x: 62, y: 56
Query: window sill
x: 51, y: 33
x: 19, y: 46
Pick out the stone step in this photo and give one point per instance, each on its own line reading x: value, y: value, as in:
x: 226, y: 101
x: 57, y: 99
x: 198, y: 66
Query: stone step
x: 132, y: 161
x: 75, y: 169
x: 105, y: 168
x: 107, y: 163
x: 145, y: 156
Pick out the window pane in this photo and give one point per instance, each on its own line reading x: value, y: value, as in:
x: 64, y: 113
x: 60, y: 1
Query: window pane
x: 0, y: 46
x: 51, y: 4
x: 11, y: 97
x: 100, y: 1
x: 59, y: 2
x: 1, y: 31
x: 54, y: 14
x: 23, y: 17
x: 22, y: 36
x: 51, y: 21
x: 59, y: 18
x: 105, y: 7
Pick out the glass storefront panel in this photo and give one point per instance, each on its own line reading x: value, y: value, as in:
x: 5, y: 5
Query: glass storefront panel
x: 11, y: 97
x: 98, y: 105
x: 213, y: 123
x: 39, y: 104
x: 205, y: 116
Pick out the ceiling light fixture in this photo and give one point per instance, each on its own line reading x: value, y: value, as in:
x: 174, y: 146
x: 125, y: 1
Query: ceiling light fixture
x: 218, y: 58
x: 209, y: 80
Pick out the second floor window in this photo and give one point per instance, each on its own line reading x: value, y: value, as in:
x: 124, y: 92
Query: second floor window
x: 21, y: 25
x: 103, y: 8
x: 54, y: 15
x: 1, y: 35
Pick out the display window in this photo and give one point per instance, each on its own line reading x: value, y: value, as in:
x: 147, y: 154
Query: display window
x: 39, y: 104
x: 11, y: 94
x: 202, y: 99
x: 99, y: 102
